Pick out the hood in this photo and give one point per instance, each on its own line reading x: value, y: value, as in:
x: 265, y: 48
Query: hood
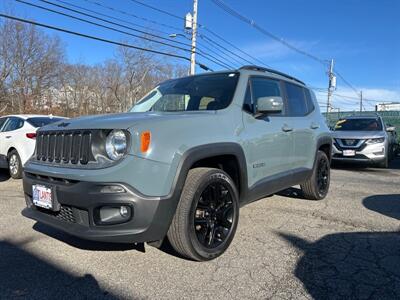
x: 358, y: 134
x: 119, y: 121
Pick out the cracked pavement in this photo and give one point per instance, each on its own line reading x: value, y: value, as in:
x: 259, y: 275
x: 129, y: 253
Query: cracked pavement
x: 345, y: 246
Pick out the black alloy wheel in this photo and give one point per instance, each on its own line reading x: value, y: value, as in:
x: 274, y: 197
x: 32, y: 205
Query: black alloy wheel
x: 323, y: 176
x: 214, y: 214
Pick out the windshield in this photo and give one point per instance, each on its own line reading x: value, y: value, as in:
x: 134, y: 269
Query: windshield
x: 42, y: 121
x: 202, y: 92
x: 367, y: 124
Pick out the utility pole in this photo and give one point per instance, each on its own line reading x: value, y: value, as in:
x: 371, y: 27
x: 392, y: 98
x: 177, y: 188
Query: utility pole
x: 331, y: 88
x: 194, y: 33
x: 361, y: 99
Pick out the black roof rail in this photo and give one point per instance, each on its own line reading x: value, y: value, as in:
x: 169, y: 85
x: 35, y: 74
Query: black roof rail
x: 258, y: 68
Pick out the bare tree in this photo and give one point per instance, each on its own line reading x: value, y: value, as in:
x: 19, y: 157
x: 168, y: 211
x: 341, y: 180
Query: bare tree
x: 30, y: 62
x: 35, y: 77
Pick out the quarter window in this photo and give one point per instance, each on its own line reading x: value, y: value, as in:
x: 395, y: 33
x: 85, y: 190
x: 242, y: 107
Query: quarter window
x: 309, y: 102
x: 296, y: 100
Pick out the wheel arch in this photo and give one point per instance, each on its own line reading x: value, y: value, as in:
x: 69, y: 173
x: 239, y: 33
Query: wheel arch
x: 227, y: 156
x: 325, y: 144
x: 11, y: 149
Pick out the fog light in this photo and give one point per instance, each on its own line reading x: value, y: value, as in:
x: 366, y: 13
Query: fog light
x: 107, y: 215
x: 380, y: 152
x: 111, y: 189
x: 124, y: 211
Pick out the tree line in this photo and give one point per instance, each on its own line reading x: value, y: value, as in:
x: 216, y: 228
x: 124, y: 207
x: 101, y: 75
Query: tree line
x: 36, y: 77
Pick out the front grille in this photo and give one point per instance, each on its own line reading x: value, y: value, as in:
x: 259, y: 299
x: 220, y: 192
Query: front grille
x: 65, y: 214
x: 64, y: 147
x: 350, y: 142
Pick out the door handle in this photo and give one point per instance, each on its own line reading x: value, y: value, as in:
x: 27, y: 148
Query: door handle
x: 286, y: 128
x: 314, y: 125
x: 8, y: 136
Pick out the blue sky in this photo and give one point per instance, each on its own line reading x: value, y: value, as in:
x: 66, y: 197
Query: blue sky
x: 362, y: 36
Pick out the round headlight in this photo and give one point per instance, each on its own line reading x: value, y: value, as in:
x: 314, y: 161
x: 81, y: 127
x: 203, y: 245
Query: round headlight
x: 116, y: 144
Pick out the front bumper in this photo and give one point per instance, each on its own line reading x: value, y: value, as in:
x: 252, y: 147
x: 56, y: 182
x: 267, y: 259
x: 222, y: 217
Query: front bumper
x: 79, y: 201
x: 373, y: 153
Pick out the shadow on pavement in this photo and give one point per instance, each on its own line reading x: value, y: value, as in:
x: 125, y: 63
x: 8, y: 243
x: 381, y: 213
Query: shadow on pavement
x: 354, y: 166
x: 85, y: 244
x: 4, y: 175
x: 26, y: 276
x: 388, y: 205
x: 292, y: 192
x: 363, y: 265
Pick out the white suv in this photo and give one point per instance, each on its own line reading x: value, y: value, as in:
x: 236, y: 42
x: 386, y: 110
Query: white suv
x: 17, y: 140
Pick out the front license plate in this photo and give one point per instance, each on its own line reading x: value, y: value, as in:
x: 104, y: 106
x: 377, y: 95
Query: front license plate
x: 42, y: 196
x: 349, y: 152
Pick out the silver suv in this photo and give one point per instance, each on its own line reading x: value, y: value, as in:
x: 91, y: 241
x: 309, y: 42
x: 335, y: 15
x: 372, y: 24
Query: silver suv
x: 181, y: 162
x: 363, y: 139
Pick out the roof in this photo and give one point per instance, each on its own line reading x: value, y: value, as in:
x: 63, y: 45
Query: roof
x: 362, y: 116
x: 262, y: 69
x: 27, y: 116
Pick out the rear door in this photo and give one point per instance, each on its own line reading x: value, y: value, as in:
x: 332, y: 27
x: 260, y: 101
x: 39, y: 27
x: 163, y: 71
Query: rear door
x: 9, y: 134
x: 302, y: 120
x: 3, y: 153
x: 267, y: 139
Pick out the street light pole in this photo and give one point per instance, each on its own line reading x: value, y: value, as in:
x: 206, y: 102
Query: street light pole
x: 194, y: 33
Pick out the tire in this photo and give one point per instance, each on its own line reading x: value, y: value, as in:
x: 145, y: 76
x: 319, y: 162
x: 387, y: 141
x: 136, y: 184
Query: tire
x: 14, y: 165
x: 207, y: 215
x: 317, y: 186
x: 385, y: 163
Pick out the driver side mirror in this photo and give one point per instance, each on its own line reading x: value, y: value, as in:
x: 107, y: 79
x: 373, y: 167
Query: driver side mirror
x: 271, y: 104
x: 390, y: 129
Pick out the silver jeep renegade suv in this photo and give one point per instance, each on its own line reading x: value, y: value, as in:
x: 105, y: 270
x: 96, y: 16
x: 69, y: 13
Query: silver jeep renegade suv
x: 181, y: 162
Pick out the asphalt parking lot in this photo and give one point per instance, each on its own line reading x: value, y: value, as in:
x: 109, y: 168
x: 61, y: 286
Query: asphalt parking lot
x: 346, y: 246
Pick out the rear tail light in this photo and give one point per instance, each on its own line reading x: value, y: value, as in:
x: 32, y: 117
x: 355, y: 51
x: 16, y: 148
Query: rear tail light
x: 31, y: 135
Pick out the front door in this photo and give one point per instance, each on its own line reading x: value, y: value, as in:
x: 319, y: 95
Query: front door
x: 267, y: 139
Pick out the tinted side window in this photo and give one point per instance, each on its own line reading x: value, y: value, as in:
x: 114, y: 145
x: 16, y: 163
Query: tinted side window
x: 262, y: 87
x: 296, y: 100
x: 2, y: 121
x: 309, y: 102
x: 14, y: 124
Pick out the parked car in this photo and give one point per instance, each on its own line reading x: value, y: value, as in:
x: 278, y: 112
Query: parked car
x: 363, y: 139
x: 393, y: 138
x: 17, y: 140
x: 181, y: 162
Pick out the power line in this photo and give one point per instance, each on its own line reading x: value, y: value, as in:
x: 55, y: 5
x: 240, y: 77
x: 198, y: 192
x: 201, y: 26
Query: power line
x: 347, y: 83
x: 134, y: 16
x: 106, y: 21
x: 216, y: 61
x: 158, y: 9
x: 206, y: 29
x: 117, y: 19
x: 233, y: 46
x: 99, y: 39
x: 351, y: 97
x: 252, y: 23
x: 200, y: 52
x: 218, y: 50
x: 224, y: 49
x: 221, y: 4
